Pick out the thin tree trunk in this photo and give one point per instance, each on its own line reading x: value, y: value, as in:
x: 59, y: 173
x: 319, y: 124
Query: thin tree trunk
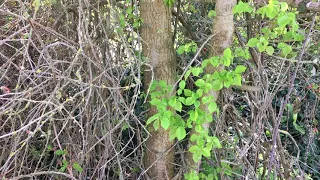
x: 158, y: 51
x: 223, y: 29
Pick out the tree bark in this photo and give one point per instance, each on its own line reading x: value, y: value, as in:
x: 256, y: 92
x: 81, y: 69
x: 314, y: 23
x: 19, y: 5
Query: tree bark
x: 158, y: 50
x: 223, y: 28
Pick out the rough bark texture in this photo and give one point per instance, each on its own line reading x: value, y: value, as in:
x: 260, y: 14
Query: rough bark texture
x: 223, y: 29
x: 158, y: 50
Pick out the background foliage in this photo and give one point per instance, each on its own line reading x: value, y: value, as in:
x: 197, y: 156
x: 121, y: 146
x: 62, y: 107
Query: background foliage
x: 76, y: 107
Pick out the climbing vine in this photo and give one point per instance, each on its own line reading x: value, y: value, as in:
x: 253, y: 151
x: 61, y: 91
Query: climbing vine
x: 185, y: 101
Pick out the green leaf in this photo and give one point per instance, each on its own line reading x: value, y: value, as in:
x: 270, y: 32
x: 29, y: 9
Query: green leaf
x: 189, y: 101
x: 187, y: 47
x: 217, y: 84
x: 299, y: 128
x: 194, y: 48
x: 187, y: 92
x: 229, y: 76
x: 200, y: 83
x: 129, y: 10
x: 247, y: 54
x: 296, y: 126
x: 155, y: 101
x: 77, y: 167
x: 182, y: 84
x: 178, y: 121
x: 49, y: 148
x: 209, y: 117
x: 36, y: 4
x: 268, y: 133
x: 215, y: 61
x: 226, y: 167
x: 198, y: 128
x: 212, y: 107
x: 227, y: 53
x: 216, y: 75
x: 298, y: 37
x: 162, y: 84
x: 281, y: 45
x: 286, y: 50
x: 199, y: 92
x: 182, y: 99
x: 201, y: 141
x: 196, y: 157
x: 269, y: 50
x: 64, y: 166
x: 253, y: 42
x: 242, y: 7
x: 196, y: 104
x: 284, y: 6
x: 295, y: 117
x: 136, y: 24
x: 260, y: 47
x: 196, y: 71
x: 211, y: 176
x: 216, y: 142
x: 212, y: 13
x: 239, y: 52
x: 194, y: 149
x: 167, y: 114
x: 172, y: 134
x: 228, y: 83
x: 152, y: 118
x: 181, y: 133
x: 165, y: 123
x: 187, y: 74
x: 194, y: 115
x: 226, y: 61
x: 156, y: 124
x: 283, y: 20
x: 181, y: 50
x: 60, y: 152
x: 240, y: 69
x: 172, y: 101
x: 153, y: 86
x: 193, y: 137
x: 271, y: 12
x: 237, y: 80
x: 178, y: 106
x: 206, y: 152
x: 263, y: 41
x: 169, y: 3
x: 122, y: 20
x: 206, y: 99
x: 62, y: 169
x: 205, y: 63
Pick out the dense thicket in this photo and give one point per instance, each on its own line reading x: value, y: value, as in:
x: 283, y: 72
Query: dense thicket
x: 74, y: 82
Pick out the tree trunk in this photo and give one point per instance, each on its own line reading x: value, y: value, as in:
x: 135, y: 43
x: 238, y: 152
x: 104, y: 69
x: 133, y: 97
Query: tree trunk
x: 223, y: 29
x: 158, y: 50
